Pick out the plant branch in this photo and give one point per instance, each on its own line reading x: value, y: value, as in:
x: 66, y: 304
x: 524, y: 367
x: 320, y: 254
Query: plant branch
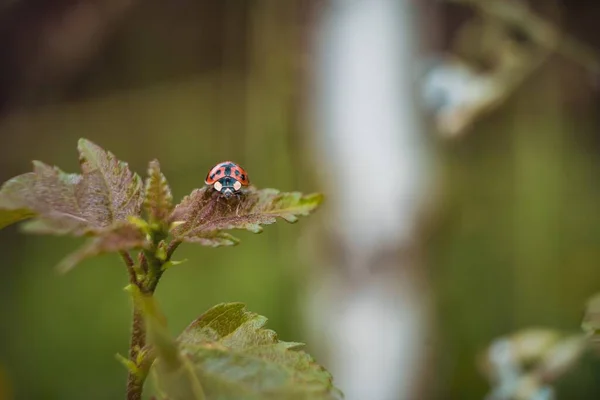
x: 152, y: 268
x: 172, y: 247
x: 156, y: 267
x: 138, y: 334
x: 138, y: 340
x: 143, y: 262
x: 130, y: 267
x: 540, y: 30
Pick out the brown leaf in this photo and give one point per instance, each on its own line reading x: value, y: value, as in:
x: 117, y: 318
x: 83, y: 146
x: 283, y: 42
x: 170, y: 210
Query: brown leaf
x: 205, y: 212
x: 106, y: 193
x: 158, y: 200
x: 58, y: 199
x: 116, y: 190
x: 123, y: 236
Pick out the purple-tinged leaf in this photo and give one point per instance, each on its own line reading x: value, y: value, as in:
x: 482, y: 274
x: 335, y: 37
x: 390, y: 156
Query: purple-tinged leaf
x: 158, y: 200
x: 57, y: 198
x: 117, y: 191
x: 205, y: 213
x: 61, y: 203
x: 121, y: 237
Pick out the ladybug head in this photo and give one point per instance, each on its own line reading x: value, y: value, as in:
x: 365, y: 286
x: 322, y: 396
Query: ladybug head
x: 227, y: 186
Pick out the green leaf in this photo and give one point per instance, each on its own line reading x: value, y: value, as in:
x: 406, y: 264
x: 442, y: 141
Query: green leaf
x: 62, y: 203
x: 172, y: 263
x: 128, y: 364
x: 230, y: 324
x: 174, y: 371
x: 232, y: 356
x: 158, y: 200
x: 202, y: 215
x: 121, y: 237
x: 12, y: 208
x: 10, y: 216
x: 267, y: 372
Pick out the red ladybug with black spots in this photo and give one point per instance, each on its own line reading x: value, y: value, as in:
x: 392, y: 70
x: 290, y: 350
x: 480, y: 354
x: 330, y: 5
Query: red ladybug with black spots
x: 227, y: 178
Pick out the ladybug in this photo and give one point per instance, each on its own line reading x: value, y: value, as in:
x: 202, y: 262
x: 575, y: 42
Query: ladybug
x: 227, y: 178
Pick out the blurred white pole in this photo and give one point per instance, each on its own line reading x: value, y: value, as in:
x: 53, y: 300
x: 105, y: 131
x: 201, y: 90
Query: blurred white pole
x: 372, y: 308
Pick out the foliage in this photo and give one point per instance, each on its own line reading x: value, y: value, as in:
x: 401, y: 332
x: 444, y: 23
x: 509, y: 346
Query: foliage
x: 204, y: 219
x: 225, y: 353
x: 526, y: 364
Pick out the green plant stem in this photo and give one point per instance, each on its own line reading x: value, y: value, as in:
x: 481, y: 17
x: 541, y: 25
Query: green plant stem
x: 138, y: 340
x: 153, y: 269
x: 138, y: 334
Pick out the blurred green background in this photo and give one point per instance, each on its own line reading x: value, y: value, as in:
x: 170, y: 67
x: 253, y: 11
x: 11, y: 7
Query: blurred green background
x: 514, y: 241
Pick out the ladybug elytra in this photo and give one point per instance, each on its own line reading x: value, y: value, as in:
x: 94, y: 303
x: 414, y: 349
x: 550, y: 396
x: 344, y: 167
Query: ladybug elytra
x: 227, y: 178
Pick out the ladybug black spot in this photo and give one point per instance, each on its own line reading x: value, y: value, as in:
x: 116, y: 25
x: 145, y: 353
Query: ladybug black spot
x: 237, y: 173
x: 243, y: 177
x: 227, y: 170
x: 212, y: 176
x: 218, y: 172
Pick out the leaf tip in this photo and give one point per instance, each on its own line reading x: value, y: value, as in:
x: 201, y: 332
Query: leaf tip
x: 154, y: 165
x: 37, y: 164
x: 171, y: 263
x: 84, y: 146
x: 315, y: 199
x: 128, y: 364
x: 292, y: 219
x: 83, y: 142
x: 133, y: 290
x: 254, y: 228
x: 293, y: 345
x: 64, y: 266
